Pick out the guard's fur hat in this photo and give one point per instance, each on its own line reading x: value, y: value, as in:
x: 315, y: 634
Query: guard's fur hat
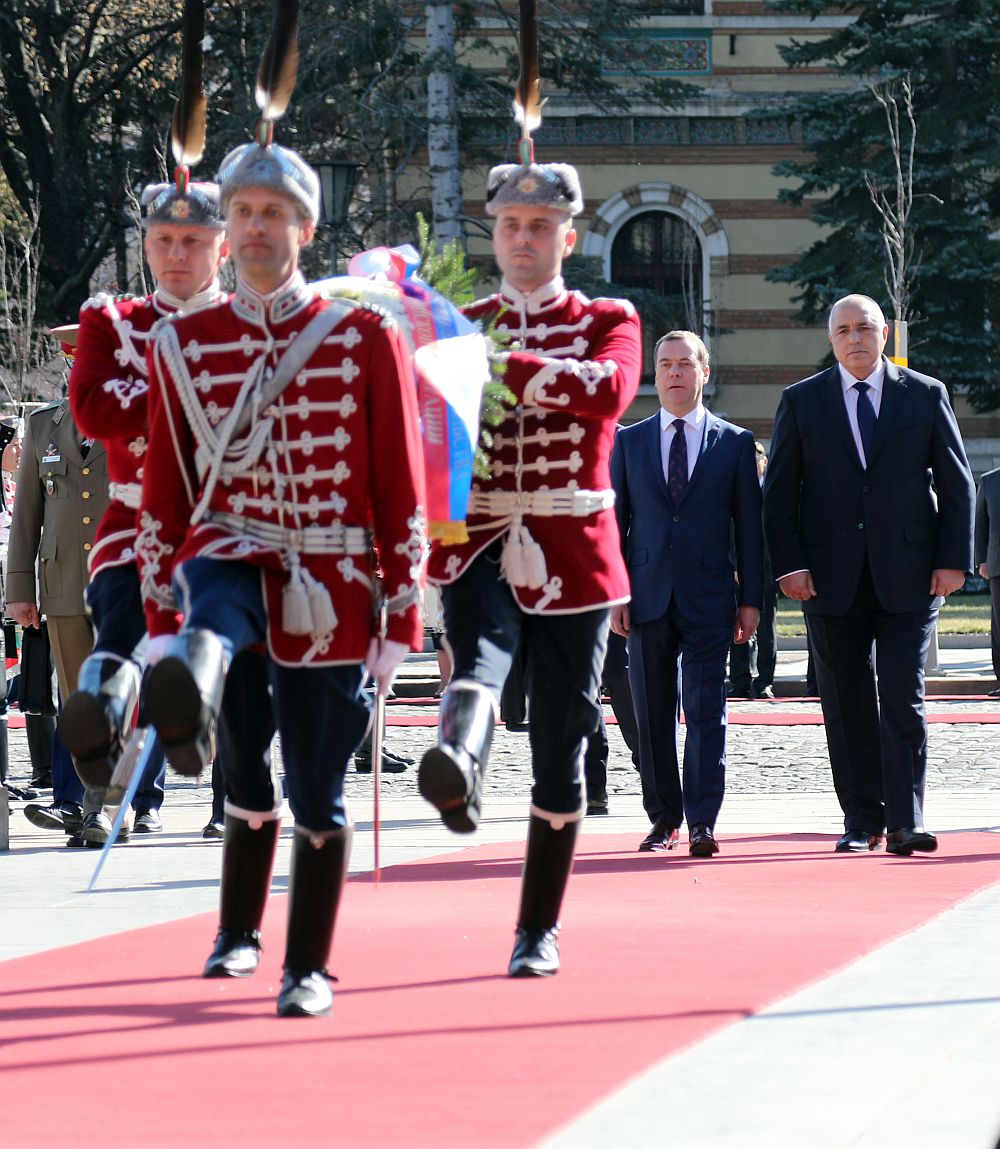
x: 555, y: 186
x: 190, y: 204
x: 275, y: 167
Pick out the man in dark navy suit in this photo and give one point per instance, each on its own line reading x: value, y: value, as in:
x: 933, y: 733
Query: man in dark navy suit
x: 868, y: 507
x: 688, y: 504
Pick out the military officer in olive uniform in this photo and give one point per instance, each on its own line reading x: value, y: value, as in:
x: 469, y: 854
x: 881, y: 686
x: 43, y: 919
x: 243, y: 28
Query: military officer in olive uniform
x: 62, y: 491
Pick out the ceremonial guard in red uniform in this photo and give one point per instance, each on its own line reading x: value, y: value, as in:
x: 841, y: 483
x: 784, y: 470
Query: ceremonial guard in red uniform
x: 108, y: 390
x: 543, y: 561
x: 284, y: 474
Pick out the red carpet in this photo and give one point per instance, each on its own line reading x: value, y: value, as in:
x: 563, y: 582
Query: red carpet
x: 430, y: 1045
x: 790, y: 718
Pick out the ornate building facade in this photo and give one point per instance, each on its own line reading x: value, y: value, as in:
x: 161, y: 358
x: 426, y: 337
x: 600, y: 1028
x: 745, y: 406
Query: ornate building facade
x: 684, y: 203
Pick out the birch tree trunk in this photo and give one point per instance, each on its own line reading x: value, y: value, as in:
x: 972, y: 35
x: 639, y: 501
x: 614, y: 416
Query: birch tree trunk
x: 442, y: 126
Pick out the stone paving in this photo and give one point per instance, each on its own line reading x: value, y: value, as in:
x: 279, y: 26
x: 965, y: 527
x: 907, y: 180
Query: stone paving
x: 762, y: 759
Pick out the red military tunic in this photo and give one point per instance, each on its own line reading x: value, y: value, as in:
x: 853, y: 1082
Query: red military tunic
x: 108, y: 390
x: 576, y: 371
x: 332, y: 467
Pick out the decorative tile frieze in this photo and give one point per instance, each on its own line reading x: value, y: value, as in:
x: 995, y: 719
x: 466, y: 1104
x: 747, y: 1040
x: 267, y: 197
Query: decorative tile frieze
x: 715, y: 130
x: 776, y: 131
x: 660, y: 130
x: 659, y: 54
x: 604, y: 130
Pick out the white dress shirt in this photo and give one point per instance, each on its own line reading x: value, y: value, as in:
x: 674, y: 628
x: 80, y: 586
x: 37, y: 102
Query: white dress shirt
x: 876, y: 383
x: 694, y: 430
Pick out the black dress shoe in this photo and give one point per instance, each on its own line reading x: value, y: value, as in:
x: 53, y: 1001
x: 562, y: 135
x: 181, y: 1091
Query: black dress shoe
x: 305, y: 993
x: 739, y: 693
x: 663, y: 836
x: 21, y: 793
x: 993, y: 693
x: 96, y: 828
x: 597, y: 806
x: 147, y: 822
x: 391, y: 763
x: 66, y: 817
x: 905, y: 841
x: 763, y: 692
x: 702, y: 843
x: 43, y: 781
x: 236, y: 954
x: 214, y: 830
x: 858, y: 842
x: 535, y: 953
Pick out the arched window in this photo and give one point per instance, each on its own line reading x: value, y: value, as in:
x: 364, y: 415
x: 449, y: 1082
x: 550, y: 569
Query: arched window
x: 660, y: 253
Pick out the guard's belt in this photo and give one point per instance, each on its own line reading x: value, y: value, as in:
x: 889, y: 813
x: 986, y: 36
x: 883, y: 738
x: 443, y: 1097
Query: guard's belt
x: 547, y: 504
x: 334, y: 540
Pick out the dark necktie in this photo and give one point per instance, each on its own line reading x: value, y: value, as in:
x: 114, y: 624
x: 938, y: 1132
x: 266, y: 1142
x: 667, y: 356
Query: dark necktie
x: 866, y: 420
x: 677, y: 464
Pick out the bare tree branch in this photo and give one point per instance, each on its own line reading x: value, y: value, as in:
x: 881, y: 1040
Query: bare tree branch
x: 894, y: 212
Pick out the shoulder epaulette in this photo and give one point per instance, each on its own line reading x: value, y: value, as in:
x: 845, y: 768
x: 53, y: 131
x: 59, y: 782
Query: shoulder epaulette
x: 624, y: 304
x: 56, y: 406
x: 482, y: 302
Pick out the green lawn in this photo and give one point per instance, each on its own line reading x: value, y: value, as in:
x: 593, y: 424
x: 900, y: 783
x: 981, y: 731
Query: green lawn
x: 961, y: 614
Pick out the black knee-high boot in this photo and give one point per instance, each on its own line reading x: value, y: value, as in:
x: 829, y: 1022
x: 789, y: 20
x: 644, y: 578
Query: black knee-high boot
x: 451, y: 773
x: 182, y: 697
x: 247, y: 862
x: 548, y: 860
x: 318, y: 874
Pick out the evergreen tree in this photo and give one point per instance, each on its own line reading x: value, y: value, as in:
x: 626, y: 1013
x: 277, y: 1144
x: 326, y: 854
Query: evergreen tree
x: 950, y: 49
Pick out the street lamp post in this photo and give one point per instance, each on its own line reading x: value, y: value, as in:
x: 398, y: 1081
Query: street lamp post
x: 336, y: 180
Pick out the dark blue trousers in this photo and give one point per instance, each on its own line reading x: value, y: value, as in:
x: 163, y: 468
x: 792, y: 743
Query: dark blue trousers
x: 322, y: 711
x: 66, y: 785
x: 659, y: 653
x: 563, y: 654
x: 243, y: 770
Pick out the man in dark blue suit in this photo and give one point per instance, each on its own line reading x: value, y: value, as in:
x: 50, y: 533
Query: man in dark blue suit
x: 688, y: 504
x: 868, y: 507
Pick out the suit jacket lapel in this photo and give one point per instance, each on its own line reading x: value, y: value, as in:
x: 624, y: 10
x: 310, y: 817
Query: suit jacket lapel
x: 653, y: 435
x: 96, y: 451
x: 70, y: 442
x: 65, y: 438
x: 893, y: 390
x: 833, y: 396
x: 709, y: 437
